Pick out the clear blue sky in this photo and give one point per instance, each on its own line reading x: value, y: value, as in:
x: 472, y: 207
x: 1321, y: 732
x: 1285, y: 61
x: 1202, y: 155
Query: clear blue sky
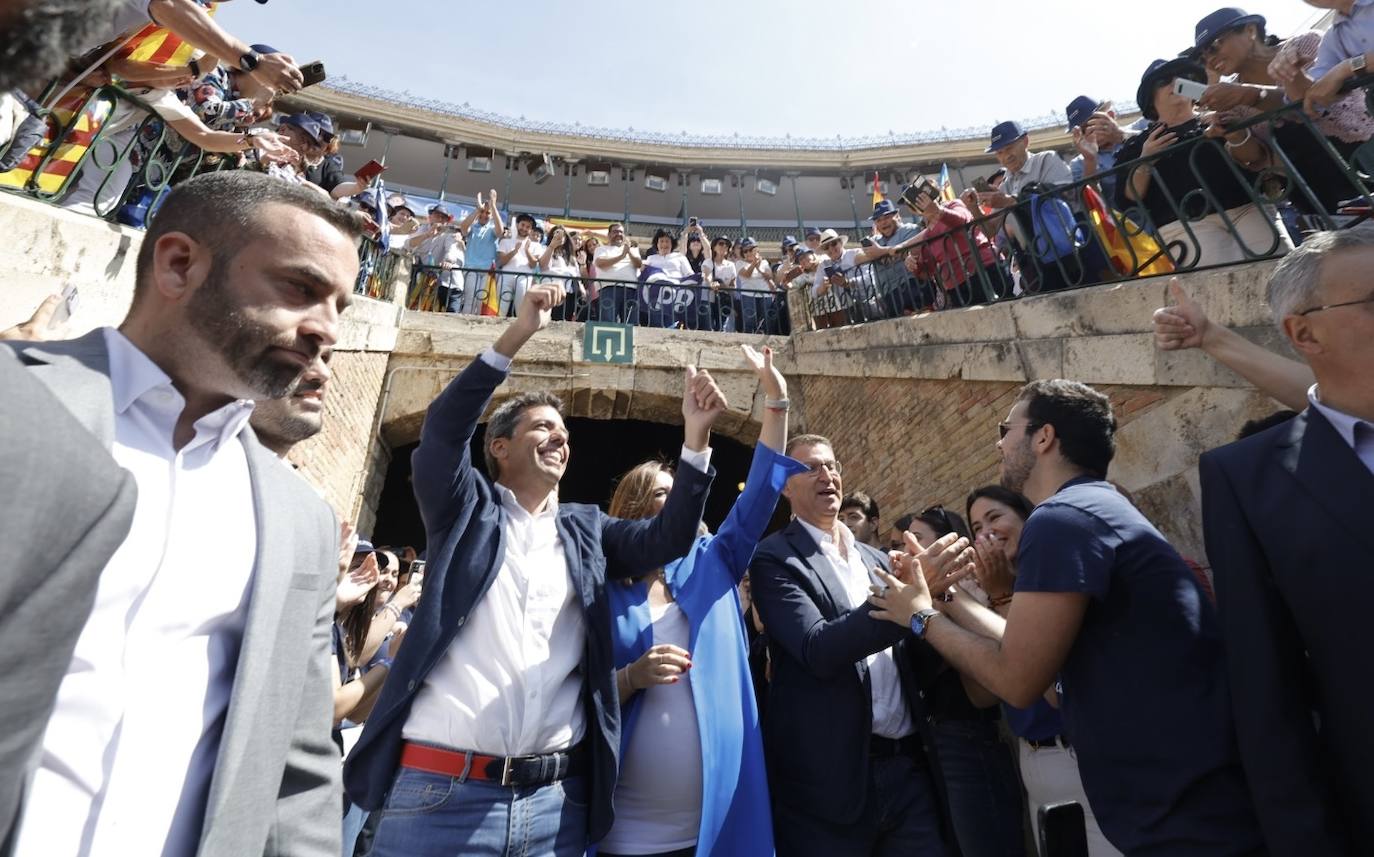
x: 804, y: 67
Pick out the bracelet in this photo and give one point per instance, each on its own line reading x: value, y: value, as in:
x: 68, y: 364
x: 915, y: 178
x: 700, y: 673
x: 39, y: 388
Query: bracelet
x: 392, y: 607
x: 1231, y: 145
x: 776, y: 404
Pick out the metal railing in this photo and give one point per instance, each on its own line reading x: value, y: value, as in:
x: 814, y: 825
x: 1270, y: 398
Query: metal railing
x: 107, y: 149
x: 657, y: 303
x: 1201, y: 209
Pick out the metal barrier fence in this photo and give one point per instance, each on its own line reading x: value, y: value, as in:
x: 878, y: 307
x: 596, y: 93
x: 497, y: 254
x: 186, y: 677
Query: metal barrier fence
x: 1198, y: 209
x: 107, y: 150
x: 685, y: 306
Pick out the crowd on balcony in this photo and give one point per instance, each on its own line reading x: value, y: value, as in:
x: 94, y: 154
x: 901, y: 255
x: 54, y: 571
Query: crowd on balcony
x: 200, y: 661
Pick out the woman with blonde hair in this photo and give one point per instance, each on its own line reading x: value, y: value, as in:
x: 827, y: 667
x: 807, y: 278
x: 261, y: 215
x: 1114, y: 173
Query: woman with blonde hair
x: 692, y: 778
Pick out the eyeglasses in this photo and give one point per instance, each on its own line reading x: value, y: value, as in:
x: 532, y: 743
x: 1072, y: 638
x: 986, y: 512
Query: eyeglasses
x: 1309, y: 311
x: 833, y: 466
x: 1004, y: 427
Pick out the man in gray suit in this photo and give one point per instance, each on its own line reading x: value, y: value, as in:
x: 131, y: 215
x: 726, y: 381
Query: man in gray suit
x: 192, y: 716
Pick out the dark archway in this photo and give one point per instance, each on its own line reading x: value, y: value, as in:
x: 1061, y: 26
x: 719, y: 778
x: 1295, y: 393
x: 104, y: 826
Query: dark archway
x: 602, y: 450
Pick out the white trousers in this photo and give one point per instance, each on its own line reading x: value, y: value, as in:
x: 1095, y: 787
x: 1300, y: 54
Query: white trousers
x: 1212, y: 243
x: 1050, y: 775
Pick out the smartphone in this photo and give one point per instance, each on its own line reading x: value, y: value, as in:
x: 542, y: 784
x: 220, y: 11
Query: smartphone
x: 417, y: 571
x: 369, y: 170
x: 981, y: 185
x: 313, y: 73
x: 65, y: 309
x: 1189, y: 89
x: 1062, y: 830
x: 691, y: 221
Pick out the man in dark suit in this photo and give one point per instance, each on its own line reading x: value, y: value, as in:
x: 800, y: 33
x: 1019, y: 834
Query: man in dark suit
x: 1287, y: 519
x: 846, y: 765
x: 193, y: 700
x: 498, y: 729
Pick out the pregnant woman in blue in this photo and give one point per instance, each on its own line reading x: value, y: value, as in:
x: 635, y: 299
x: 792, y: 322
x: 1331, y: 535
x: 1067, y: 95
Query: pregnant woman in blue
x: 692, y: 778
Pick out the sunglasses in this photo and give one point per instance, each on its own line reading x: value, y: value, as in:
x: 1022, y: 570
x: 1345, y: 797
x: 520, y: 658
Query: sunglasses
x: 1004, y: 427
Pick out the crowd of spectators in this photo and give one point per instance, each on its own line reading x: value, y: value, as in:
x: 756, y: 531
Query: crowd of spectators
x: 548, y: 678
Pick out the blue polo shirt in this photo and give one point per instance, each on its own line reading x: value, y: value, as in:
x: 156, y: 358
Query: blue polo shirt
x: 1145, y: 698
x: 481, y: 250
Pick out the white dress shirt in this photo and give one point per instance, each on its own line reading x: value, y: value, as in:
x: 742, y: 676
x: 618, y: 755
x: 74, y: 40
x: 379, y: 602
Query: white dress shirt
x: 1357, y: 433
x: 131, y: 745
x: 511, y: 682
x: 891, y: 716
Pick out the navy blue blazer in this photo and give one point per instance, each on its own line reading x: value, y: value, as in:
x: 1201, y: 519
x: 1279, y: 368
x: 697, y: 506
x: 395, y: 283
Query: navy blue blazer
x: 819, y: 716
x: 1288, y: 516
x: 463, y: 525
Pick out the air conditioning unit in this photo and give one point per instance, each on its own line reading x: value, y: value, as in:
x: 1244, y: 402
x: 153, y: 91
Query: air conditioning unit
x: 712, y: 187
x: 598, y: 178
x: 479, y: 165
x: 766, y: 186
x: 658, y: 183
x: 540, y: 168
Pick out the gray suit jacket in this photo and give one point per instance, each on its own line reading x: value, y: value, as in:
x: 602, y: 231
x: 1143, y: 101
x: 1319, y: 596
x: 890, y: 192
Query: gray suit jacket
x: 275, y: 788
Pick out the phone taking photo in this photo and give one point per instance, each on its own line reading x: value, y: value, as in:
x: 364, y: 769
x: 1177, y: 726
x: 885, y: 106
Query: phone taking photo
x: 1189, y: 89
x: 417, y: 571
x: 313, y: 73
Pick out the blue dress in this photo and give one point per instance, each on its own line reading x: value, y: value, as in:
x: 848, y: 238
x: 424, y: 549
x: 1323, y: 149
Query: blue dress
x: 736, y: 818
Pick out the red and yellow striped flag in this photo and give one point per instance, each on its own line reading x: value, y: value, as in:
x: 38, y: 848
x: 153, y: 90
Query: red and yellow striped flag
x: 491, y: 300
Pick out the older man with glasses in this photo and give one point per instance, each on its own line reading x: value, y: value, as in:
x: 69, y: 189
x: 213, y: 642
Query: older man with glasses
x: 1286, y: 519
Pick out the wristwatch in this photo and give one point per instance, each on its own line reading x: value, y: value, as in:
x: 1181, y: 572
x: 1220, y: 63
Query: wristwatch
x: 249, y: 61
x: 1356, y: 64
x: 921, y: 621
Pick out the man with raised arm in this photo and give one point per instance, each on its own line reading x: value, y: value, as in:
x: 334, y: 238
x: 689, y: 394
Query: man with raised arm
x: 497, y: 730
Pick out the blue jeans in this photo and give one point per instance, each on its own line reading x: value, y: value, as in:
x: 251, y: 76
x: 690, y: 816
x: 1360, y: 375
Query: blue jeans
x: 432, y: 815
x: 982, y: 788
x: 900, y: 819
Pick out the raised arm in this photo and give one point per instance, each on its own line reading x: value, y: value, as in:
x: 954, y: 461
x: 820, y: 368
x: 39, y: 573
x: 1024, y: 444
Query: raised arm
x: 497, y: 222
x: 443, y: 461
x: 1184, y: 325
x: 192, y: 22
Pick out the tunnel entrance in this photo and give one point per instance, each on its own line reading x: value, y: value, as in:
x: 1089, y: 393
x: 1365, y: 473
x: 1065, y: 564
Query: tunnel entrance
x: 602, y: 450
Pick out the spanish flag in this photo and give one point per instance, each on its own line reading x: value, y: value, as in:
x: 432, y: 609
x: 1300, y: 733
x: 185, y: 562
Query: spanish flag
x: 491, y: 299
x: 947, y: 193
x: 1132, y: 250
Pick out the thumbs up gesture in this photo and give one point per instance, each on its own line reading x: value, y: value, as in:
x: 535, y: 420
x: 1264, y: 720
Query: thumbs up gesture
x: 1182, y: 324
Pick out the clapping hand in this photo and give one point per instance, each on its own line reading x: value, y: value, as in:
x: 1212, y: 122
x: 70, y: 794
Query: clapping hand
x: 1084, y: 142
x: 992, y: 568
x: 921, y: 575
x: 357, y: 583
x: 348, y: 543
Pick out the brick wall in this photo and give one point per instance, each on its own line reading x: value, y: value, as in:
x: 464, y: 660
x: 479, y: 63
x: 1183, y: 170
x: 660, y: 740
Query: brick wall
x: 913, y: 443
x: 339, y: 459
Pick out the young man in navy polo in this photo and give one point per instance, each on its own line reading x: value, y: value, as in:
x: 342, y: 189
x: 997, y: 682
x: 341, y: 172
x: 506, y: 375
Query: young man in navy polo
x: 1105, y: 604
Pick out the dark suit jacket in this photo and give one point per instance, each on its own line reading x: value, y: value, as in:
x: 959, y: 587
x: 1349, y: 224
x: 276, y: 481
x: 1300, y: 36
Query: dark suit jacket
x: 1288, y: 516
x: 275, y: 787
x: 819, y: 716
x: 463, y: 524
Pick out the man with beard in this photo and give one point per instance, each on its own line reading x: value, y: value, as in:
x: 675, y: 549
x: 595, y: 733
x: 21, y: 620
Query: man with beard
x: 282, y: 423
x: 1104, y: 603
x: 192, y: 714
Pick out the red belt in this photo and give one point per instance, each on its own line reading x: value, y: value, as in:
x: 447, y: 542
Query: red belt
x: 505, y: 770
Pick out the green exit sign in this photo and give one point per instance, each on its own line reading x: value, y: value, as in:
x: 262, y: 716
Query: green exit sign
x: 608, y: 343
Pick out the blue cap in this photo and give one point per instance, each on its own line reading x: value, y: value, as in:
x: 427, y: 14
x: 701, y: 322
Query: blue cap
x: 748, y: 244
x: 264, y: 49
x: 304, y: 122
x: 1226, y: 18
x: 325, y: 121
x: 882, y: 208
x: 1162, y: 71
x: 812, y: 232
x: 440, y: 208
x: 364, y: 546
x: 789, y: 241
x: 1080, y: 110
x: 1003, y: 135
x: 801, y: 251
